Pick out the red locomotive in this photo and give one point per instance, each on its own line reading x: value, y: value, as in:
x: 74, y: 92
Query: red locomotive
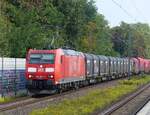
x: 49, y: 70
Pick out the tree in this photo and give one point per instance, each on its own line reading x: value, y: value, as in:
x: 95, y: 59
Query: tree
x: 96, y: 36
x: 120, y: 38
x: 77, y: 14
x: 5, y: 27
x: 33, y: 27
x: 4, y: 30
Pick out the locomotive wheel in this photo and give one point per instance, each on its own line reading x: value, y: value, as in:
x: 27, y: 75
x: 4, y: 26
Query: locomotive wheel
x: 76, y: 85
x: 59, y: 89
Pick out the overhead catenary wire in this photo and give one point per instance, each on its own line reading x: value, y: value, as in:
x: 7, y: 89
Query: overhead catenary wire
x: 124, y: 10
x: 138, y: 10
x: 129, y: 52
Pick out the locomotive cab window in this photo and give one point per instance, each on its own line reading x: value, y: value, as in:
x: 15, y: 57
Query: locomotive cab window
x: 41, y: 59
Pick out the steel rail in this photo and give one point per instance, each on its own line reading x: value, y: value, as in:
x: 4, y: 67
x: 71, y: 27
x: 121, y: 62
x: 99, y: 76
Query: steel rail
x: 121, y: 103
x: 141, y: 106
x: 28, y: 101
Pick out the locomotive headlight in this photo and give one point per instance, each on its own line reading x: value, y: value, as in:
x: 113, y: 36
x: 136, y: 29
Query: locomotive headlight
x: 30, y: 76
x: 56, y: 82
x: 31, y: 69
x: 51, y: 76
x: 49, y: 69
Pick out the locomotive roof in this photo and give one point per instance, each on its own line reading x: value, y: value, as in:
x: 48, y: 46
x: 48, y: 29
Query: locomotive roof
x: 71, y: 52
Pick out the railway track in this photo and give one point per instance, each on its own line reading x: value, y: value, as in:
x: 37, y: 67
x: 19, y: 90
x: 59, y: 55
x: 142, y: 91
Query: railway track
x: 28, y: 100
x: 120, y: 104
x: 142, y: 105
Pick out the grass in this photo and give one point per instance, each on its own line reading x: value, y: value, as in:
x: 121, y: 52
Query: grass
x: 5, y: 100
x: 94, y: 100
x: 11, y: 99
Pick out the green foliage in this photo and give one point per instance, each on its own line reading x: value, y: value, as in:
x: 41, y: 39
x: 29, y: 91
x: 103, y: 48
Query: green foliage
x: 5, y: 100
x: 4, y: 30
x: 5, y: 26
x: 139, y: 43
x: 77, y: 14
x: 12, y: 98
x: 94, y: 100
x: 33, y: 27
x: 37, y: 24
x: 144, y: 38
x: 96, y: 37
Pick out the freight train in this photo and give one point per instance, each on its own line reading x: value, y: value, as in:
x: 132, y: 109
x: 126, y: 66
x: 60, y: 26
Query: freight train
x: 60, y: 69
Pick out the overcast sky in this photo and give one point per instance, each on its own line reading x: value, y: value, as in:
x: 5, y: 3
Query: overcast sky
x: 139, y: 11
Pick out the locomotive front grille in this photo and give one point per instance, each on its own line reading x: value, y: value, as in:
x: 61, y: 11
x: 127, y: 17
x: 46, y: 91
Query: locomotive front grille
x: 39, y: 84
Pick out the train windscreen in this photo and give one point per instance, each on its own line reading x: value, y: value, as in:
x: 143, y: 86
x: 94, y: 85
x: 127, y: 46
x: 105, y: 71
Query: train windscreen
x: 41, y: 58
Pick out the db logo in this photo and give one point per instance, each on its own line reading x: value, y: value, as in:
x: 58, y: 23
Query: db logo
x: 40, y: 70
